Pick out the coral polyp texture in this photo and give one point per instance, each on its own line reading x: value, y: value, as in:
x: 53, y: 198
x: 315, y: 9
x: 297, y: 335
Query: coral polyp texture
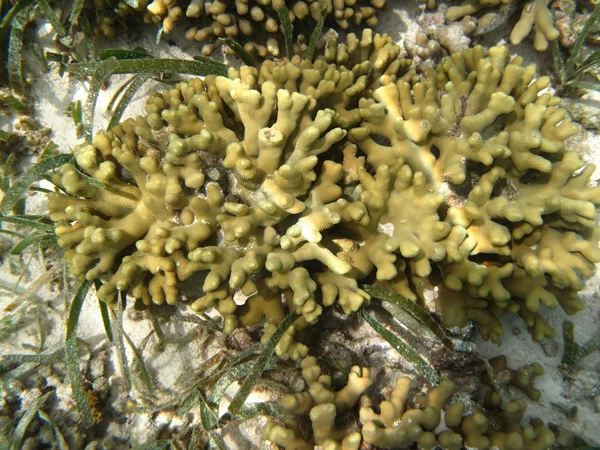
x: 535, y: 16
x: 283, y: 188
x: 254, y: 22
x: 434, y: 420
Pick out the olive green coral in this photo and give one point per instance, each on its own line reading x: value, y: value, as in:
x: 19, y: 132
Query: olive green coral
x: 433, y: 420
x: 398, y: 426
x: 283, y: 187
x: 323, y: 405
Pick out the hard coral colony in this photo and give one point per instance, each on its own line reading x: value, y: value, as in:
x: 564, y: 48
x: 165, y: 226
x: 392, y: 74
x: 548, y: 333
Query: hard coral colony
x: 254, y: 22
x: 283, y: 187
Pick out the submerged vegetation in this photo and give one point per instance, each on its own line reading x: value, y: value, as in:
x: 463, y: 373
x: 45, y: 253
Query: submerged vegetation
x: 340, y: 184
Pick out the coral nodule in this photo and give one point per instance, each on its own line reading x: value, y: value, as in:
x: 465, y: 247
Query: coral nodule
x: 287, y: 185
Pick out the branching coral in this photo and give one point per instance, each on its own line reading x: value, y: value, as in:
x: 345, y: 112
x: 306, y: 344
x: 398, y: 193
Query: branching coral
x: 535, y: 15
x: 323, y: 405
x: 248, y: 19
x: 435, y: 420
x: 285, y: 186
x: 398, y: 426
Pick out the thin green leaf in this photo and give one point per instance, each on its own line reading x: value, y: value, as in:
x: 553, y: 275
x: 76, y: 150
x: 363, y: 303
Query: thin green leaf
x: 119, y: 340
x: 591, y: 86
x: 90, y: 180
x: 557, y: 61
x: 104, y: 313
x: 156, y: 65
x: 76, y: 112
x: 286, y: 25
x: 271, y: 409
x: 589, y: 62
x: 28, y: 241
x: 314, y: 37
x: 60, y: 439
x: 416, y: 361
x: 387, y: 295
x: 14, y: 103
x: 208, y: 418
x: 207, y: 324
x: 72, y: 359
x: 15, y: 51
x: 49, y: 152
x: 55, y: 57
x: 27, y: 222
x: 6, y: 172
x: 139, y: 359
x: 108, y: 14
x: 589, y: 24
x: 42, y: 329
x: 12, y: 233
x: 21, y: 428
x: 235, y: 373
x: 41, y: 358
x: 75, y: 12
x: 196, y: 439
x: 240, y: 51
x: 7, y: 20
x: 120, y: 53
x: 51, y: 17
x: 154, y: 445
x: 160, y: 335
x: 216, y: 442
x: 105, y: 68
x: 17, y: 191
x: 41, y: 189
x: 261, y: 362
x: 90, y: 51
x: 117, y: 93
x: 135, y: 83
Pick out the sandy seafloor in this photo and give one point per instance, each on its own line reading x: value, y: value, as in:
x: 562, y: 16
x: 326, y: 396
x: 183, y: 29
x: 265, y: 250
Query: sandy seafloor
x: 51, y: 94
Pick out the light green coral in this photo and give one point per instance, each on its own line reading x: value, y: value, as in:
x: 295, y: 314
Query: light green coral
x: 283, y: 188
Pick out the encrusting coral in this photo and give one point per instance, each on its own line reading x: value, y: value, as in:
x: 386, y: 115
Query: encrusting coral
x: 435, y: 420
x: 285, y: 186
x: 253, y: 22
x: 535, y: 15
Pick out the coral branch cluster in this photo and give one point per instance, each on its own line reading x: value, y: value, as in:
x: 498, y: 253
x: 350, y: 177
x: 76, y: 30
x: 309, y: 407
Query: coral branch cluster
x: 434, y: 420
x: 282, y: 188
